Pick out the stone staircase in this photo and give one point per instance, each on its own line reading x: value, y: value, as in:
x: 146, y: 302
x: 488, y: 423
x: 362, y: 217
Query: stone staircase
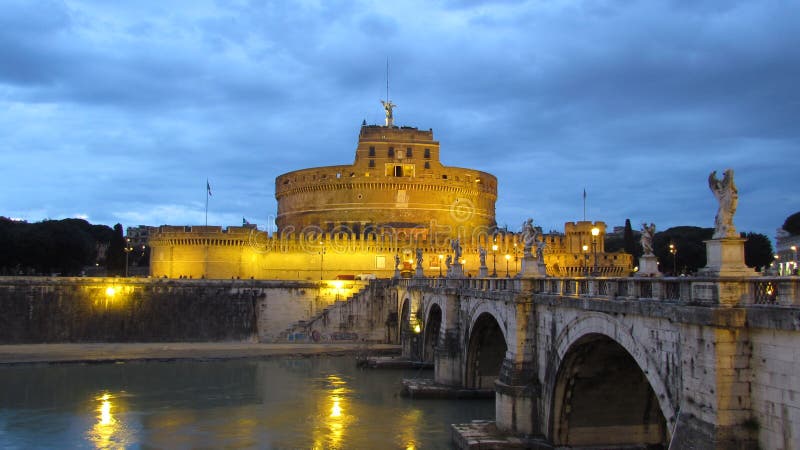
x: 327, y: 325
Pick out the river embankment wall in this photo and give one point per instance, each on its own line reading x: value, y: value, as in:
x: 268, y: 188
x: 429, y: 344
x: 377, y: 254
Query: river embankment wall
x: 52, y: 310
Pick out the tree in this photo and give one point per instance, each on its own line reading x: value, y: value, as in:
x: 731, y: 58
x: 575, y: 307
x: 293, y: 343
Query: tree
x: 757, y: 250
x: 115, y: 256
x: 691, y: 250
x: 629, y: 241
x: 792, y: 224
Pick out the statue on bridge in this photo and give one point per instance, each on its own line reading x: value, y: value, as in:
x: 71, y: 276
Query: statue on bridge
x: 528, y: 237
x: 482, y: 255
x: 540, y: 245
x: 456, y: 249
x: 728, y: 197
x: 648, y: 232
x: 419, y: 257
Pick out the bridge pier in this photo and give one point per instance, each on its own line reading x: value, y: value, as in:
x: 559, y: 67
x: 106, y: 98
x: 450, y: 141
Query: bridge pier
x: 517, y: 396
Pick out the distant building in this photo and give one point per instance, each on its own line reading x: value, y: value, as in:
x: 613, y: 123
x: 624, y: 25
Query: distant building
x: 786, y: 248
x: 139, y: 235
x: 573, y: 253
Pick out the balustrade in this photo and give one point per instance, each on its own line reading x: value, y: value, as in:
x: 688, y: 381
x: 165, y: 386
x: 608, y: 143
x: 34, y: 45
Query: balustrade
x: 781, y: 291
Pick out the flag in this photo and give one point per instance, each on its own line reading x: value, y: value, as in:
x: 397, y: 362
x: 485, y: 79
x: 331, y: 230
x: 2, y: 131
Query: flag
x: 245, y: 222
x: 208, y: 188
x: 584, y: 194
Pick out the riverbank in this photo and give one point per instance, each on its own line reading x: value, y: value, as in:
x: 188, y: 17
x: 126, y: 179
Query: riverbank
x: 168, y: 351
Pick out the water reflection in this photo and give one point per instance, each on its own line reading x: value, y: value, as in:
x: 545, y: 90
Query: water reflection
x: 323, y: 402
x: 335, y: 415
x: 108, y: 431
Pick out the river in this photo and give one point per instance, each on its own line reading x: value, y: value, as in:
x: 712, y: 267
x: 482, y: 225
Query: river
x: 320, y: 402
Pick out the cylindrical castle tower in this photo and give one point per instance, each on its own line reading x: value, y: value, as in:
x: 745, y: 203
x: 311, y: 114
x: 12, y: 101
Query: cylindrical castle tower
x: 396, y: 181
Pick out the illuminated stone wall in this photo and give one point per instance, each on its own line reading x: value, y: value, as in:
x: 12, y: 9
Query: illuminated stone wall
x: 244, y: 253
x: 38, y: 309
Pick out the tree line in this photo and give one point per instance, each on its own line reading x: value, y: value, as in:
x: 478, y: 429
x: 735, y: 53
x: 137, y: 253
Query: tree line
x: 690, y: 250
x: 64, y: 247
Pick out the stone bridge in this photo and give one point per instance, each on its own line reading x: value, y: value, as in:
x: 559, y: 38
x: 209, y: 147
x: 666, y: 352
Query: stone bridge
x: 643, y: 362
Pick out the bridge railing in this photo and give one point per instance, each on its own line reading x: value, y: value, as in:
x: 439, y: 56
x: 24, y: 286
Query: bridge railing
x: 783, y: 291
x: 738, y: 291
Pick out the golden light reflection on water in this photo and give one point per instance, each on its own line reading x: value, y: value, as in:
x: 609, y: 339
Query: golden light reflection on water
x: 331, y: 428
x: 108, y: 431
x: 409, y: 424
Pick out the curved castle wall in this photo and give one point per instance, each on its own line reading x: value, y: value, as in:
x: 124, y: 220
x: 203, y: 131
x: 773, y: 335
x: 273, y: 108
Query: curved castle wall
x: 396, y: 180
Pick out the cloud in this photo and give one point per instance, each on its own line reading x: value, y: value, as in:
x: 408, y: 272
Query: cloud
x: 121, y: 111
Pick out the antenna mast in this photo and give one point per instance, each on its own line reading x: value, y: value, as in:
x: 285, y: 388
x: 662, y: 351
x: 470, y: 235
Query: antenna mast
x: 387, y: 105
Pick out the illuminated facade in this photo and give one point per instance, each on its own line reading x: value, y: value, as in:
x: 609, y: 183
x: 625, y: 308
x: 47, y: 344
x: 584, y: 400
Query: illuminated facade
x: 397, y: 180
x: 361, y: 220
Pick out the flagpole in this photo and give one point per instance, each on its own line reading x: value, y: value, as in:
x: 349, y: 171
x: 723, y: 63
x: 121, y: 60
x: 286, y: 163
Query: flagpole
x: 207, y: 201
x: 584, y: 204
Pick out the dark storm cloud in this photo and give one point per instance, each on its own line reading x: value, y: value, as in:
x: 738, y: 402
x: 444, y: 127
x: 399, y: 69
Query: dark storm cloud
x: 121, y: 111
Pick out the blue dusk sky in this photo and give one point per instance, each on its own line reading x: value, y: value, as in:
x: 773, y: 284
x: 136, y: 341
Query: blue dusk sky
x: 120, y: 111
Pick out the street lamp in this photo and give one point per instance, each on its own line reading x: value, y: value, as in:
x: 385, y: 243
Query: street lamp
x: 441, y: 257
x: 595, y: 233
x: 794, y: 249
x: 321, y: 258
x: 516, y: 258
x: 508, y: 257
x: 585, y: 261
x: 127, y: 251
x: 674, y: 251
x: 494, y: 260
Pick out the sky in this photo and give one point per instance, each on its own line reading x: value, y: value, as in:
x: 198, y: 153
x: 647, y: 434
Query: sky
x: 120, y: 111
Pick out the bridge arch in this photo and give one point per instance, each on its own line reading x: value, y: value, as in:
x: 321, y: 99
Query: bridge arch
x: 432, y: 327
x: 486, y: 350
x: 602, y: 387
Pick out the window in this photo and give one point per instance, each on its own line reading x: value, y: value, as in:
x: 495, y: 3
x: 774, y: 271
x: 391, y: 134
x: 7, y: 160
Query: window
x: 408, y: 152
x: 398, y: 171
x: 372, y: 151
x: 372, y: 163
x: 391, y: 152
x: 427, y: 153
x: 427, y: 165
x: 444, y: 177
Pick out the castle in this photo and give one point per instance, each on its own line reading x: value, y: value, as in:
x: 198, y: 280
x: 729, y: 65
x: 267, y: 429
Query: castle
x: 369, y: 218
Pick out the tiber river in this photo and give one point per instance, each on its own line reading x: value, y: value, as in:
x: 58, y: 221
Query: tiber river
x: 281, y: 403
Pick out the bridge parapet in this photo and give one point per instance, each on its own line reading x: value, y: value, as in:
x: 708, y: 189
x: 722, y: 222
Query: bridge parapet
x: 729, y: 291
x: 745, y: 291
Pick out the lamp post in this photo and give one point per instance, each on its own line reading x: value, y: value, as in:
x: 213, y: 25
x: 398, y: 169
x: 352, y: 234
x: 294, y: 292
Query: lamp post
x: 128, y: 249
x: 321, y: 258
x: 585, y: 261
x: 595, y: 233
x: 508, y: 257
x: 441, y: 257
x: 794, y: 249
x: 516, y: 259
x: 674, y: 251
x: 494, y: 260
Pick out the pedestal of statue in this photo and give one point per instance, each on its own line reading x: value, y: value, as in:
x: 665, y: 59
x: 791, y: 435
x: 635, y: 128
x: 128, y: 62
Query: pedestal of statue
x: 483, y: 271
x: 418, y: 273
x: 725, y: 258
x: 648, y: 266
x: 396, y: 273
x: 532, y: 267
x: 456, y: 271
